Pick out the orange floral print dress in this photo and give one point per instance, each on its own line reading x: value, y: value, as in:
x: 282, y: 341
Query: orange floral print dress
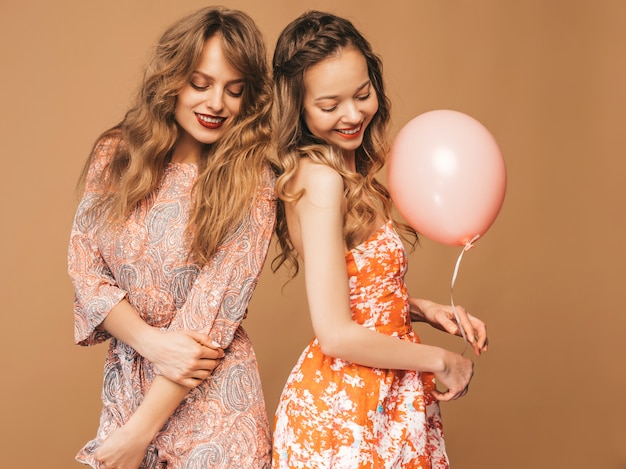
x: 337, y: 414
x: 222, y: 423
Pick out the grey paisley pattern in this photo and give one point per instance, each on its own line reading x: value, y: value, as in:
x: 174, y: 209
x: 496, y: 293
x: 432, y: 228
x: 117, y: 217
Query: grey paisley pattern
x: 222, y: 423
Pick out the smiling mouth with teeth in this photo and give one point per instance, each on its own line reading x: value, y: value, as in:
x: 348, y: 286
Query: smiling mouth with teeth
x: 350, y: 133
x: 210, y: 122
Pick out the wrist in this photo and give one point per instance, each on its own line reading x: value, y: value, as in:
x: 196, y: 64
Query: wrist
x: 418, y: 308
x: 416, y: 313
x: 438, y: 360
x: 139, y: 430
x: 148, y: 342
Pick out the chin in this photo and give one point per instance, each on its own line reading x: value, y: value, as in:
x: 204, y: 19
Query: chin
x: 350, y: 146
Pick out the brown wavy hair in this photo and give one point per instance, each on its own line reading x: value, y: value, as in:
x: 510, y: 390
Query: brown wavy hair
x: 308, y: 40
x: 230, y: 169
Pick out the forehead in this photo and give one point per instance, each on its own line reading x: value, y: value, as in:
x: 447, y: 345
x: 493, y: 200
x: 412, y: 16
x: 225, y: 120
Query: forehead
x: 213, y: 61
x: 342, y: 73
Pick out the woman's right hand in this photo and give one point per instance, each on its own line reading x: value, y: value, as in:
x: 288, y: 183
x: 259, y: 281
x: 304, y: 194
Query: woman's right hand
x: 186, y: 357
x: 455, y: 376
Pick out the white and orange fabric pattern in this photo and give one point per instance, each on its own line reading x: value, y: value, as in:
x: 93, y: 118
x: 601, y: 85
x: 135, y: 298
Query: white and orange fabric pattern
x: 336, y: 414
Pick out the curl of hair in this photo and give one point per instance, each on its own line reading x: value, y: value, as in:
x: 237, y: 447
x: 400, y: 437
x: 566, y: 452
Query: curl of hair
x: 230, y: 169
x: 308, y: 40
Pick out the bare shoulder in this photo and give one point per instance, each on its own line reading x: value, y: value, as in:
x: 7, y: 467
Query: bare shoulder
x: 322, y: 185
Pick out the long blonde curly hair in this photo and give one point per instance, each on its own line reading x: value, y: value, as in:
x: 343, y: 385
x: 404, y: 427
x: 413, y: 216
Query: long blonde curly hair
x: 308, y: 40
x: 230, y: 169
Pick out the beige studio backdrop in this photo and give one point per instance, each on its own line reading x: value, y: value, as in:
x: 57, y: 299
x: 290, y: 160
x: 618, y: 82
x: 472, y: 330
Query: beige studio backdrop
x: 545, y: 76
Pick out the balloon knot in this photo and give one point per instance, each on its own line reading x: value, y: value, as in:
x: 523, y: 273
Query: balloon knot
x: 470, y: 244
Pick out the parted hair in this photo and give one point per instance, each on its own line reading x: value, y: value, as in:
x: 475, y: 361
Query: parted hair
x: 229, y: 170
x: 306, y: 41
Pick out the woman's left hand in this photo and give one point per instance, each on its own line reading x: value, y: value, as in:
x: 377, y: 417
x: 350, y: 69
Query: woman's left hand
x: 121, y: 450
x: 186, y: 357
x: 442, y: 318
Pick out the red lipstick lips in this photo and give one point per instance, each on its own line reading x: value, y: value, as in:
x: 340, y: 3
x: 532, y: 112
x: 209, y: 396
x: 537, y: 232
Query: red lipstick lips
x: 210, y: 122
x: 350, y: 134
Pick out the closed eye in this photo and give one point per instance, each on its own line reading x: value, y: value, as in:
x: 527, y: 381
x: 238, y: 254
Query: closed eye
x: 235, y: 93
x: 198, y: 87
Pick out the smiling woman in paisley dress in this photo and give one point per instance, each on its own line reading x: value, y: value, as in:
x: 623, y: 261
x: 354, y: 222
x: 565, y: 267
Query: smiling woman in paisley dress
x: 167, y: 245
x: 362, y: 394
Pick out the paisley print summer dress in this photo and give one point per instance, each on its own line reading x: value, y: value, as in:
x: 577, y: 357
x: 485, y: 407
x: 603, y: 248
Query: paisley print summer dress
x: 222, y: 423
x: 336, y: 414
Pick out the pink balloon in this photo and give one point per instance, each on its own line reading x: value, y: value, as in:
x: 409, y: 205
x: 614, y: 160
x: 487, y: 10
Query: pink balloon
x: 447, y: 177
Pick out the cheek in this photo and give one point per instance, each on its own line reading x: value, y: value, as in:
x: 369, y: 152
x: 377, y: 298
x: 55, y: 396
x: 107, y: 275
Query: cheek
x: 317, y: 122
x: 309, y: 121
x: 177, y: 110
x: 235, y: 107
x: 373, y: 107
x: 183, y: 101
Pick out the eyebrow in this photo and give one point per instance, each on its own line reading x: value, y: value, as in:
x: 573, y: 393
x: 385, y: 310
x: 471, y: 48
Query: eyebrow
x: 321, y: 98
x: 209, y: 77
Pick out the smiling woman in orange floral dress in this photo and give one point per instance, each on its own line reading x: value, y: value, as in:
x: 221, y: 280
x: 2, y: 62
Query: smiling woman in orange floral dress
x: 362, y: 394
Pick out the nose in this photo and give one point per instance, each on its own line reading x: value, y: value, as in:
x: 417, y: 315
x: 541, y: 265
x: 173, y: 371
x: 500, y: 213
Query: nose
x: 352, y: 113
x: 215, y: 99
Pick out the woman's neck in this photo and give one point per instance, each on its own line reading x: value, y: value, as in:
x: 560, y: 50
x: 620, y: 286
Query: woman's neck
x: 349, y: 160
x: 186, y: 150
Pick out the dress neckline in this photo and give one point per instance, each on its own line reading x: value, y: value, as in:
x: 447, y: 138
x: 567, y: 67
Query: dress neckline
x: 375, y: 235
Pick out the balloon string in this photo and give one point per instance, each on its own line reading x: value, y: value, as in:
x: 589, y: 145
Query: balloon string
x: 469, y: 245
